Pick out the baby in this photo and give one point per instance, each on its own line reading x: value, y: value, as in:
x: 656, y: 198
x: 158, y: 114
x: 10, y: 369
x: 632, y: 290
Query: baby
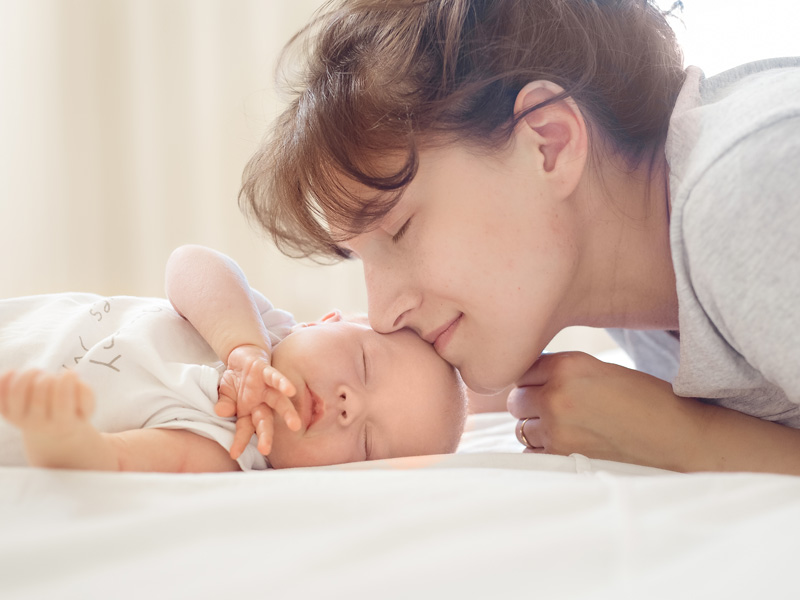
x: 139, y: 384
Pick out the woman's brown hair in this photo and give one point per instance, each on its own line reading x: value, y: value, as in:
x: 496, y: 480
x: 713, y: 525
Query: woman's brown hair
x: 381, y: 78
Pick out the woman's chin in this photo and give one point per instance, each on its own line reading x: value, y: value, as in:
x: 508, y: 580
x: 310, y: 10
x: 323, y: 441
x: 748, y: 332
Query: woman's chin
x: 484, y: 382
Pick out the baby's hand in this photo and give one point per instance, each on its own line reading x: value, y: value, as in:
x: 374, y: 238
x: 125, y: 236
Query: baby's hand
x: 45, y: 404
x: 253, y: 390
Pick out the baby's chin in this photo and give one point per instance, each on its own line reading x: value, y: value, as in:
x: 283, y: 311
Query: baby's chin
x: 275, y: 461
x: 278, y: 459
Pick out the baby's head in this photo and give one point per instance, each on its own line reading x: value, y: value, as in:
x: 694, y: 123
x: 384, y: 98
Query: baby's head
x: 365, y: 396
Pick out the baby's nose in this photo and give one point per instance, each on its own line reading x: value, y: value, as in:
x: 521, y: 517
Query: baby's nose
x: 348, y: 406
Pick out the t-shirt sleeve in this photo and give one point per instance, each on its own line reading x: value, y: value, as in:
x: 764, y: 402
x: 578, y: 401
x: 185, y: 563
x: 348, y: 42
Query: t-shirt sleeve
x: 742, y: 228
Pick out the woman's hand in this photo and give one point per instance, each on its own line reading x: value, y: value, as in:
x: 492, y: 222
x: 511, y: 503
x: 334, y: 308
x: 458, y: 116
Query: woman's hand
x: 572, y: 402
x: 253, y: 391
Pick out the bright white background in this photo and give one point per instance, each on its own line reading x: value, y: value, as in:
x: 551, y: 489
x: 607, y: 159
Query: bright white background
x: 720, y: 34
x: 125, y: 125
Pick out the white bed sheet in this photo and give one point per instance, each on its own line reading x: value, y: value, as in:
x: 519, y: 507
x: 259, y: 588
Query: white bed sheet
x: 471, y: 525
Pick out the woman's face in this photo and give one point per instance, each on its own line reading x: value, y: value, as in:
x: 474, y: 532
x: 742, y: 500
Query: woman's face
x: 478, y: 258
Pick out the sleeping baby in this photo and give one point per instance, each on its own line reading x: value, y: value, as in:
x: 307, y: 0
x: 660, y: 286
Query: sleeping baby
x: 146, y: 384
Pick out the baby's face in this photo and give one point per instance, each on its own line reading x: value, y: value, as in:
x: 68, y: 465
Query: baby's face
x: 362, y: 396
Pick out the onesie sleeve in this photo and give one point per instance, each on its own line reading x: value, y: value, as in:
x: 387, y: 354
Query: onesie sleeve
x: 278, y: 322
x: 742, y: 224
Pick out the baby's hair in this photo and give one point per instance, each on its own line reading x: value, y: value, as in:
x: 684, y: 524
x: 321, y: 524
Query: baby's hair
x: 382, y: 79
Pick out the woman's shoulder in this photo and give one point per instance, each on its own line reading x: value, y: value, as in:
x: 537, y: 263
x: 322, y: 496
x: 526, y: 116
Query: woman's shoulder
x: 714, y: 115
x: 734, y: 148
x: 751, y: 79
x: 734, y: 209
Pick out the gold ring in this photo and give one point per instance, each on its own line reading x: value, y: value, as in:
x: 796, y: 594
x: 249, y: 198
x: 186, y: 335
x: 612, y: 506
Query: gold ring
x: 522, y: 432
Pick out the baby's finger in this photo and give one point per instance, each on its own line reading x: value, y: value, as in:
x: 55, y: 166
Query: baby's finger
x: 277, y: 380
x: 5, y: 382
x: 225, y: 407
x: 19, y: 393
x: 40, y: 399
x: 264, y: 424
x: 84, y: 399
x: 244, y: 431
x: 286, y: 410
x: 65, y: 396
x: 44, y: 392
x: 280, y: 402
x: 226, y: 396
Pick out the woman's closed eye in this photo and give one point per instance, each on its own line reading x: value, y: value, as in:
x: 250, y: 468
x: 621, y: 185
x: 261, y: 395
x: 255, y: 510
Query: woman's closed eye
x: 344, y: 253
x: 401, y: 232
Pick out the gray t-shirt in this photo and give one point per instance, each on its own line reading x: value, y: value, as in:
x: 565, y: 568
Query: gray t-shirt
x: 734, y: 155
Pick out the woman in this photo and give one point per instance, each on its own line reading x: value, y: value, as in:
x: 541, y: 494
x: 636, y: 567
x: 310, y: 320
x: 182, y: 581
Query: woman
x: 506, y: 169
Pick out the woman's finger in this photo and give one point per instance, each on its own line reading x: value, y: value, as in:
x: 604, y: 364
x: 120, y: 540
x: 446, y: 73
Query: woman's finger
x: 527, y: 433
x: 552, y: 364
x: 523, y: 402
x: 539, y: 371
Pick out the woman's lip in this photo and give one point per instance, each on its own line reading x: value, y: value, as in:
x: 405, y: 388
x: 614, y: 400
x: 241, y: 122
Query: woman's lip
x: 444, y: 337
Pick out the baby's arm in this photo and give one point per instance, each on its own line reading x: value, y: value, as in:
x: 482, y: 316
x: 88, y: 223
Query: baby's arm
x: 53, y: 411
x: 210, y: 291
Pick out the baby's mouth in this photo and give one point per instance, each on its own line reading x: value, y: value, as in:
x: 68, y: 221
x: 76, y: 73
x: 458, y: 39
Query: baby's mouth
x: 316, y: 408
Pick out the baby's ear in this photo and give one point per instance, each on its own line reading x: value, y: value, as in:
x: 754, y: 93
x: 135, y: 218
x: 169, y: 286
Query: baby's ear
x: 331, y: 317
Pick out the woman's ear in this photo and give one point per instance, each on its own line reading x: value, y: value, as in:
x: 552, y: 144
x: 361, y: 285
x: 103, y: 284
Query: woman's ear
x: 558, y: 130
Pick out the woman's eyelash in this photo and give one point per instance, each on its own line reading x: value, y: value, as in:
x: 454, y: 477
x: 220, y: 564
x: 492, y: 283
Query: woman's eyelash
x: 343, y: 252
x: 401, y: 232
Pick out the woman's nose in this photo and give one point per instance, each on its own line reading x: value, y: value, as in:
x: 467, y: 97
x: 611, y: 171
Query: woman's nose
x: 390, y: 299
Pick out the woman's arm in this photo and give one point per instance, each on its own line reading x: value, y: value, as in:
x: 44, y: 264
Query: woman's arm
x: 576, y: 403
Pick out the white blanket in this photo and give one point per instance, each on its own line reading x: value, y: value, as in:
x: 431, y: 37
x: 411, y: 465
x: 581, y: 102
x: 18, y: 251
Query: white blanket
x: 470, y: 525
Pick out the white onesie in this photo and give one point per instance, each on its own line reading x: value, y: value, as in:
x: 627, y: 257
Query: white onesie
x: 147, y: 365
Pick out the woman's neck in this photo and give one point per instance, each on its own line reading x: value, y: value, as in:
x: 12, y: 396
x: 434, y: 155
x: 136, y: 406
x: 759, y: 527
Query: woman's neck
x: 626, y: 278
